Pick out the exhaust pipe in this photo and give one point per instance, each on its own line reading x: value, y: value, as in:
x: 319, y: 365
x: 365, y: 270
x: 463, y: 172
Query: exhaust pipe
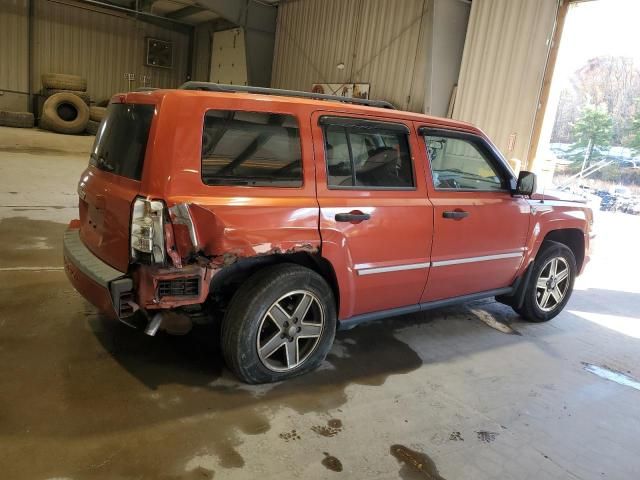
x: 172, y: 322
x: 153, y: 325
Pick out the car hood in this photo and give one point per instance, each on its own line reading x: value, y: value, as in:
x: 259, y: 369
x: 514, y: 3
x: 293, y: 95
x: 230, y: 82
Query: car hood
x: 558, y: 196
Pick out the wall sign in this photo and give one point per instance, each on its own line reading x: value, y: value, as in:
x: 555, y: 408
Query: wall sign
x: 353, y: 90
x: 159, y: 53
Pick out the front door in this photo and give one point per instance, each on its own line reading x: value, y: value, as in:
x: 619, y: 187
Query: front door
x: 480, y: 229
x: 375, y: 219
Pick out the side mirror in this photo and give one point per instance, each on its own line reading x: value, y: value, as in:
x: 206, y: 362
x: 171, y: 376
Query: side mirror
x: 526, y: 184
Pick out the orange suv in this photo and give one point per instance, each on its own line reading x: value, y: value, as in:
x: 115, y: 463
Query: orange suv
x: 288, y: 215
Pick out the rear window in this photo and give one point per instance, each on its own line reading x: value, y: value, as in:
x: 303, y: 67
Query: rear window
x: 121, y: 141
x: 251, y: 149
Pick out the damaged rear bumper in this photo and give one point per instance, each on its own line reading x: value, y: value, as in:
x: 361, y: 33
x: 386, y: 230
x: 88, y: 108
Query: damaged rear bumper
x: 119, y: 294
x: 110, y: 290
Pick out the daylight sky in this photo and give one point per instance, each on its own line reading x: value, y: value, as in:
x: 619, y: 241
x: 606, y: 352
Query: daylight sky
x: 601, y: 27
x: 592, y: 29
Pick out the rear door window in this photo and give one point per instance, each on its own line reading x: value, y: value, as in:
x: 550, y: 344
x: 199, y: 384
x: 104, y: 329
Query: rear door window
x: 367, y: 154
x: 251, y: 149
x: 121, y: 141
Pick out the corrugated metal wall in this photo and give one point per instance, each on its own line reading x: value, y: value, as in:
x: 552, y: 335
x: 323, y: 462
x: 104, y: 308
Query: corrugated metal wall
x: 14, y: 48
x: 201, y: 52
x: 70, y: 37
x: 100, y: 45
x: 503, y: 65
x: 380, y: 42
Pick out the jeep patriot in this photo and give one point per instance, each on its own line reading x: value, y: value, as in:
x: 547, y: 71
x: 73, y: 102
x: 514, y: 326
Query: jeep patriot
x: 285, y: 216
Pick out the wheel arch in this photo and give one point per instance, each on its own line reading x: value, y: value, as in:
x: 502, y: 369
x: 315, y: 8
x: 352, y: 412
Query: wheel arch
x: 573, y: 238
x: 226, y: 281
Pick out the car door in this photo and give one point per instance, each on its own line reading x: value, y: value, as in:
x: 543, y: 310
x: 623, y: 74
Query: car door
x: 480, y: 228
x: 375, y: 218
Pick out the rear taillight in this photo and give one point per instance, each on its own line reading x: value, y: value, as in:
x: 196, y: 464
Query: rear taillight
x: 147, y: 231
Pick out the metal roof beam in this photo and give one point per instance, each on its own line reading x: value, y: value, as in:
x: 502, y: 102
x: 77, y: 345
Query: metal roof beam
x: 185, y: 12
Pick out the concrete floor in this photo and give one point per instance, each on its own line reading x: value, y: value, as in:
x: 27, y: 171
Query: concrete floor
x: 431, y: 396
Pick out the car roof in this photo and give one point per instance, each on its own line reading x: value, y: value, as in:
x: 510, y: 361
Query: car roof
x: 325, y: 105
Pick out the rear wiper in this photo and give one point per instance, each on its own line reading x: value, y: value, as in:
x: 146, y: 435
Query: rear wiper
x: 101, y: 162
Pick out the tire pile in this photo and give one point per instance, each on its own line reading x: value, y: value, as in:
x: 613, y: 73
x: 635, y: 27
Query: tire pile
x: 66, y: 108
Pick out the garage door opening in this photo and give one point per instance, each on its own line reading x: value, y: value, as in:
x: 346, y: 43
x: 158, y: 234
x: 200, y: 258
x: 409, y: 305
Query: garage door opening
x: 590, y: 136
x: 589, y: 145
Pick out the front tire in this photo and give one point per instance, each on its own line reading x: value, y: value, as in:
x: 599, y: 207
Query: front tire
x: 280, y: 324
x: 554, y: 273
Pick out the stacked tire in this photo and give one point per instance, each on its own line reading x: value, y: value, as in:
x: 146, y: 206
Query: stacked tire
x: 61, y: 81
x: 16, y: 119
x: 96, y: 114
x: 66, y: 109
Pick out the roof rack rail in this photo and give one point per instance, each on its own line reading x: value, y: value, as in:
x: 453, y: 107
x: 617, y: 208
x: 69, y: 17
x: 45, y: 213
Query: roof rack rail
x: 220, y: 87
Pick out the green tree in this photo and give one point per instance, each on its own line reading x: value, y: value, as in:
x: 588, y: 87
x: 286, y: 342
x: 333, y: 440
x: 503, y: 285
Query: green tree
x: 634, y: 139
x: 592, y: 131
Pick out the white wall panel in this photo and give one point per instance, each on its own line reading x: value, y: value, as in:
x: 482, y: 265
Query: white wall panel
x: 228, y: 57
x: 503, y: 65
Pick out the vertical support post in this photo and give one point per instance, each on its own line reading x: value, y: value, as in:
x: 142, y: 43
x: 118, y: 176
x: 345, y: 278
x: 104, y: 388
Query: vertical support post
x: 31, y: 103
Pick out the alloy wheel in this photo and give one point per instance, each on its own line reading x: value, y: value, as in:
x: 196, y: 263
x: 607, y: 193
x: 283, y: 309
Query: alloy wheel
x: 552, y: 284
x: 290, y: 330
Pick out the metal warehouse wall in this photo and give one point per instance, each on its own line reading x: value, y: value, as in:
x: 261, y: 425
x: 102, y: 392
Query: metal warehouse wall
x: 381, y: 42
x: 14, y: 48
x: 201, y: 52
x: 503, y: 66
x: 100, y: 45
x: 70, y: 37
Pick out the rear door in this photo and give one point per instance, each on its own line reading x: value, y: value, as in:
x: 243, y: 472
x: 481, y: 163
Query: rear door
x: 480, y: 229
x: 111, y: 182
x: 375, y: 218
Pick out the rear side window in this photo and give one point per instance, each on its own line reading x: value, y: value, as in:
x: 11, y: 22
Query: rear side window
x: 366, y: 154
x: 121, y: 141
x: 251, y: 148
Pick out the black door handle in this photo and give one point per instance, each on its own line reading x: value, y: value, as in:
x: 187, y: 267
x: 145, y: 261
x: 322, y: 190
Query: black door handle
x: 352, y: 217
x: 456, y: 214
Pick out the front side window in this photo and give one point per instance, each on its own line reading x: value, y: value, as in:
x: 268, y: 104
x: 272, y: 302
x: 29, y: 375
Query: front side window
x: 368, y: 157
x: 251, y: 149
x: 459, y: 164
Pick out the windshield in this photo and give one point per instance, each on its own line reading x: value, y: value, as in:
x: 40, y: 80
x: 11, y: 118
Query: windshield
x: 121, y: 141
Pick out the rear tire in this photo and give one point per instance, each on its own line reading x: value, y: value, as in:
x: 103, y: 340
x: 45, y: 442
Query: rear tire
x: 551, y: 284
x: 280, y: 324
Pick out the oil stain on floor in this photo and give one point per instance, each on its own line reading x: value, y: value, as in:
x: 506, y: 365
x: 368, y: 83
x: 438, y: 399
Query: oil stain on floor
x: 414, y: 465
x: 29, y: 242
x: 331, y: 429
x: 106, y: 383
x: 160, y: 407
x: 331, y: 463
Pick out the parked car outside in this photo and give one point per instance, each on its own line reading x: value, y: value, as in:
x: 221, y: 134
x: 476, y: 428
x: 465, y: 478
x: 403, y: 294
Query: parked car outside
x: 283, y: 219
